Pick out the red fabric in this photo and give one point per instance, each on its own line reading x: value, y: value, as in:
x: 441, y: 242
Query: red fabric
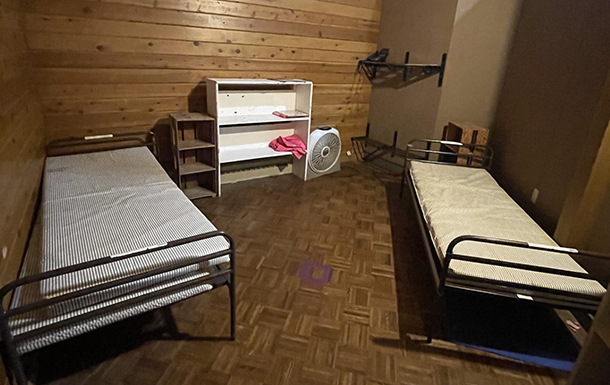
x: 290, y: 143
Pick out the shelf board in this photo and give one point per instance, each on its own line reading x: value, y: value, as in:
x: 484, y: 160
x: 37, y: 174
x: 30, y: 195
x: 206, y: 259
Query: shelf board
x: 242, y: 152
x: 195, y: 168
x: 239, y: 81
x: 191, y: 117
x: 193, y: 144
x: 198, y: 192
x: 234, y: 120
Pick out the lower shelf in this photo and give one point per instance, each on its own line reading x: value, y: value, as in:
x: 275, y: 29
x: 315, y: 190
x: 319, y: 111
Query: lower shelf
x: 195, y: 168
x: 198, y: 192
x: 242, y: 152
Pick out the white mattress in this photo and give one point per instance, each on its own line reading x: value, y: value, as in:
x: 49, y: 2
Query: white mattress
x: 459, y: 201
x: 106, y: 204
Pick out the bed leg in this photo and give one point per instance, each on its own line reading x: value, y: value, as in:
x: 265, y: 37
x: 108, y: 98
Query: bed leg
x: 232, y: 286
x: 17, y: 369
x: 429, y: 339
x: 170, y: 322
x: 232, y: 299
x: 12, y: 361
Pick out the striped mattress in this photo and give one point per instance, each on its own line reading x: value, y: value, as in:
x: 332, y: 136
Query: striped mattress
x: 104, y: 204
x: 459, y: 201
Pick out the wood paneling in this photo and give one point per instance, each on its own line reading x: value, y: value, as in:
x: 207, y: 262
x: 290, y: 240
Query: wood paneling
x: 120, y: 65
x: 21, y: 141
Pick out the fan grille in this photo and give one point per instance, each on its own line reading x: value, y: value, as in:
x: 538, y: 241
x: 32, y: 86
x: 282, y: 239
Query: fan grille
x: 325, y: 153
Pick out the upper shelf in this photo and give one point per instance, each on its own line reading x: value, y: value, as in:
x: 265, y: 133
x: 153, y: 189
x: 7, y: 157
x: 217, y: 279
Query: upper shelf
x: 371, y: 68
x: 190, y: 117
x: 220, y: 81
x: 234, y: 120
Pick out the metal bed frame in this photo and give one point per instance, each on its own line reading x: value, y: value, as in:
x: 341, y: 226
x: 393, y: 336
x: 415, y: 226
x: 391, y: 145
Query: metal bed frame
x: 222, y: 277
x: 444, y: 278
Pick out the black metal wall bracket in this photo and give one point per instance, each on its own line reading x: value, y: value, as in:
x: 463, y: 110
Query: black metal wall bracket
x: 372, y: 67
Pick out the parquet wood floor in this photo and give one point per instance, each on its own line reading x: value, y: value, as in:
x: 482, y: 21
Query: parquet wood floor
x: 358, y: 329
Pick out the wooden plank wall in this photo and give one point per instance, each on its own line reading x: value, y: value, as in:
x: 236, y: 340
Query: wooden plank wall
x: 123, y: 65
x: 21, y: 141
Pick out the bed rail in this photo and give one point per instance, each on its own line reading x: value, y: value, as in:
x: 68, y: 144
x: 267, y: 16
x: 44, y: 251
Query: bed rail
x: 94, y: 143
x: 9, y: 341
x: 477, y: 155
x: 452, y: 255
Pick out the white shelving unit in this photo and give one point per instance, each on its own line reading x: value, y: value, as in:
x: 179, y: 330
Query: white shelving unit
x: 244, y: 108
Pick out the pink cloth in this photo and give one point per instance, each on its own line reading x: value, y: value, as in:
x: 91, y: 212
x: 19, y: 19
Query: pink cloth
x: 290, y: 143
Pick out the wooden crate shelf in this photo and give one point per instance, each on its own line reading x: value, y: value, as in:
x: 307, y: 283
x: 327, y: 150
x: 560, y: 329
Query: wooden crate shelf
x: 195, y: 148
x: 465, y: 133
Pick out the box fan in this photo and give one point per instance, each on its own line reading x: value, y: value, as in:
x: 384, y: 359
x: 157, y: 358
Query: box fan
x: 325, y: 151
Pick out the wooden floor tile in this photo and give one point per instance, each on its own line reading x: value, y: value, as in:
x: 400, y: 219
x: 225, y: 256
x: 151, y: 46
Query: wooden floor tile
x: 352, y: 330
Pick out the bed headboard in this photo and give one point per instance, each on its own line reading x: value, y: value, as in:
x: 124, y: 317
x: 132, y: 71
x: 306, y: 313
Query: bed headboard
x: 449, y: 152
x: 104, y: 142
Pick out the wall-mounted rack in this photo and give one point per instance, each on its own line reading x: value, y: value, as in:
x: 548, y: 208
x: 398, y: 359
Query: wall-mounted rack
x: 373, y: 65
x: 378, y: 153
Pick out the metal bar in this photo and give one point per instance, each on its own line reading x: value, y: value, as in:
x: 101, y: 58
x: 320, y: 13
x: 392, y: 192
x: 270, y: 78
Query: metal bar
x: 404, y: 174
x: 232, y: 291
x: 485, y: 158
x: 524, y: 245
x: 463, y: 155
x: 111, y: 284
x: 373, y: 154
x: 379, y: 145
x: 519, y: 244
x: 530, y: 288
x: 105, y: 139
x: 448, y: 142
x: 369, y: 72
x: 521, y: 266
x: 428, y: 147
x: 406, y: 69
x: 435, y: 262
x: 441, y: 74
x: 545, y: 298
x: 471, y: 147
x: 357, y: 146
x: 381, y: 64
x: 448, y: 164
x: 94, y: 313
x: 102, y: 261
